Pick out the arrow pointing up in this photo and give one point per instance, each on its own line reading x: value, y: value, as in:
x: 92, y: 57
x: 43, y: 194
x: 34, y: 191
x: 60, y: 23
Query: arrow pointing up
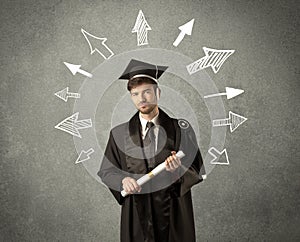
x: 105, y: 52
x: 65, y: 94
x: 76, y: 68
x: 233, y: 121
x: 141, y: 27
x: 185, y: 29
x: 230, y: 93
x: 84, y: 155
x: 72, y: 126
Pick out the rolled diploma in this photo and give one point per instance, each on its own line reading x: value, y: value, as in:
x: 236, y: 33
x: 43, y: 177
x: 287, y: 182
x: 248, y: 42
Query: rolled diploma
x: 153, y: 173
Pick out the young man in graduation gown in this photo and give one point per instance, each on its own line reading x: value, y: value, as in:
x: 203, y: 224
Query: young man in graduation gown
x: 160, y: 210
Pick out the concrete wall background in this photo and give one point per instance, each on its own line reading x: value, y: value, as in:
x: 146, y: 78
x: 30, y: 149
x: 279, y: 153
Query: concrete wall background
x: 45, y: 197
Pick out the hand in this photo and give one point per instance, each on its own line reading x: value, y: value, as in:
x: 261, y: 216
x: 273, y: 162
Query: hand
x: 130, y: 185
x: 172, y: 162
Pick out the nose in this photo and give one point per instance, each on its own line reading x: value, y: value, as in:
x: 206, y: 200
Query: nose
x: 142, y: 97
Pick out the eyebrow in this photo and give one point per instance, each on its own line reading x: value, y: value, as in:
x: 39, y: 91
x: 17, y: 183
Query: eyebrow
x: 148, y: 89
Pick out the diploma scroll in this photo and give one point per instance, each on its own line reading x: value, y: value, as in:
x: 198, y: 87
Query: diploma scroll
x: 153, y: 173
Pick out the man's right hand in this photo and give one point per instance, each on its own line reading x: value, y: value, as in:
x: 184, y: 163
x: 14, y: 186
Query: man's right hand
x: 130, y: 185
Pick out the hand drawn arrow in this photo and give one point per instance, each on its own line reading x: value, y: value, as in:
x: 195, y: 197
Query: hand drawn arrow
x: 230, y: 93
x: 105, y: 52
x: 141, y: 27
x: 213, y: 58
x: 215, y: 154
x: 84, y: 155
x: 185, y: 29
x: 233, y: 121
x: 76, y: 68
x: 72, y: 126
x: 64, y: 94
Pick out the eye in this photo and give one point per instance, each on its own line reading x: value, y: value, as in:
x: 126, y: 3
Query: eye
x: 134, y: 94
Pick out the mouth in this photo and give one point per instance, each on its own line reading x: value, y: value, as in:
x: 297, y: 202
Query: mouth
x: 143, y: 105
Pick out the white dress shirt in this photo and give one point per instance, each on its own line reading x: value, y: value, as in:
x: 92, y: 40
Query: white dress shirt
x: 145, y: 128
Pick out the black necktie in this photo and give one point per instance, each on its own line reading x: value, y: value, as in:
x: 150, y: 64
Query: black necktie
x: 149, y: 145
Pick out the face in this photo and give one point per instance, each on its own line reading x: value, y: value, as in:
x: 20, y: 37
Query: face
x: 144, y: 98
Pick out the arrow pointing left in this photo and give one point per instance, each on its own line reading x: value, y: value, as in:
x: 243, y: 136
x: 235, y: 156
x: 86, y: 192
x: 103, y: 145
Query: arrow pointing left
x: 76, y: 68
x: 72, y: 126
x: 105, y: 52
x: 84, y: 155
x: 64, y: 94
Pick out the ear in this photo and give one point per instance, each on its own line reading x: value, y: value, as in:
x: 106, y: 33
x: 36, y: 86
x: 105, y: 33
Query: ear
x: 157, y: 93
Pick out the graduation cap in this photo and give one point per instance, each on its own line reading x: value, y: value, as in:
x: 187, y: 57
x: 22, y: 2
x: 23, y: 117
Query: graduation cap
x: 137, y: 68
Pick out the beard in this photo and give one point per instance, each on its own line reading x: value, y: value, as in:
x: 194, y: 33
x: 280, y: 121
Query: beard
x: 147, y: 109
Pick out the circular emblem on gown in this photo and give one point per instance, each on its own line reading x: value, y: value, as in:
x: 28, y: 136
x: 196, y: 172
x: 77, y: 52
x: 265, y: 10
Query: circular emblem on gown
x: 183, y: 124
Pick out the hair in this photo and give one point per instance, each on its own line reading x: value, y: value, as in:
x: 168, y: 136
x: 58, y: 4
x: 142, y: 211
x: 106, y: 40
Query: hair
x: 134, y: 82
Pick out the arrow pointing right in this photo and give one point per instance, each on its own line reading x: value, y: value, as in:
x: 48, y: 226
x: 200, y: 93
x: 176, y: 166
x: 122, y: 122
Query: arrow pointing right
x: 230, y: 93
x: 233, y: 121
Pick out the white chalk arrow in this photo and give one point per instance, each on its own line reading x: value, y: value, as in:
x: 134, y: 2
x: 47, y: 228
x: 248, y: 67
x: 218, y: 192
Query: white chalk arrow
x: 103, y: 49
x: 230, y: 93
x: 215, y: 154
x: 185, y: 29
x: 76, y: 68
x: 141, y: 27
x: 213, y: 58
x: 72, y: 126
x: 233, y: 121
x: 65, y: 94
x: 84, y: 155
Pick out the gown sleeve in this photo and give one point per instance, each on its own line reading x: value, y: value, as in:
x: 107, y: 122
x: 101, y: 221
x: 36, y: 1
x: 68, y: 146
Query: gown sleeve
x: 111, y: 169
x: 192, y: 167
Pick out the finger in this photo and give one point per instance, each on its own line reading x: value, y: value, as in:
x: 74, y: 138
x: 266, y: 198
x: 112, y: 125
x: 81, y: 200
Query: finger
x: 171, y: 164
x: 130, y: 187
x: 177, y: 162
x: 167, y: 165
x: 136, y: 186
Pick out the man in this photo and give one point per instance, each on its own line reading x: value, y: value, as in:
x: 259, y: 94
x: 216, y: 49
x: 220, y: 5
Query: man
x: 160, y: 210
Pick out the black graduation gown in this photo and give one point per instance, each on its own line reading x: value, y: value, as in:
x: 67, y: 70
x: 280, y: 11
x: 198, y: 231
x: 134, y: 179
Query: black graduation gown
x: 166, y: 212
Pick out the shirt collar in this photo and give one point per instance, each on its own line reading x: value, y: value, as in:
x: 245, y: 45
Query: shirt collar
x: 144, y: 121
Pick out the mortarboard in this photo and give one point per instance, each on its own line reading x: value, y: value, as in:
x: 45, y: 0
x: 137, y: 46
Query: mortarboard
x: 136, y: 68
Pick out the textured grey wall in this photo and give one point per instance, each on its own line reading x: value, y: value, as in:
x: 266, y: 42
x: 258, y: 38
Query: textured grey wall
x: 45, y: 197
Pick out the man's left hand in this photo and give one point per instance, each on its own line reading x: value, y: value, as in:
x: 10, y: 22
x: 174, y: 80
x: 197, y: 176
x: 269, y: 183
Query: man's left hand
x: 172, y: 162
